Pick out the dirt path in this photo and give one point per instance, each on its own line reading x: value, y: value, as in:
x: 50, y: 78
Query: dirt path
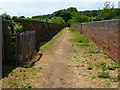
x: 63, y: 65
x: 59, y: 74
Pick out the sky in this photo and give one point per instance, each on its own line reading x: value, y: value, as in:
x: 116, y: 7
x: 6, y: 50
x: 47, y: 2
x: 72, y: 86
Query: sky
x: 31, y: 8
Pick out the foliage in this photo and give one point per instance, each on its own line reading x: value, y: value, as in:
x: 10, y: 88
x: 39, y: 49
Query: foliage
x: 22, y: 17
x: 14, y: 18
x: 6, y: 16
x: 79, y: 19
x: 65, y: 14
x: 58, y: 20
x: 18, y: 28
x: 43, y: 18
x: 89, y: 13
x: 72, y: 16
x: 72, y: 9
x: 108, y: 12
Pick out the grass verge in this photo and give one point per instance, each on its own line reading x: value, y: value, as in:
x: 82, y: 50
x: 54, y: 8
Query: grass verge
x: 49, y: 44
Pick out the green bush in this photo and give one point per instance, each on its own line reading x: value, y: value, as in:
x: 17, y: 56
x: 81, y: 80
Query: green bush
x: 18, y: 28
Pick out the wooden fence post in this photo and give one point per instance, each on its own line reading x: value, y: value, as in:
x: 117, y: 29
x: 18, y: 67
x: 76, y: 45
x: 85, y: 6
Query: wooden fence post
x: 1, y: 50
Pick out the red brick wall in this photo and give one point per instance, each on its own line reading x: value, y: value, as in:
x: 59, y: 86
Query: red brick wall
x: 43, y: 29
x: 105, y: 34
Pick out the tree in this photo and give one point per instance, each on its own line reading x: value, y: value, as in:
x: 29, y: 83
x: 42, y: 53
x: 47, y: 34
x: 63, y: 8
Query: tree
x: 65, y: 14
x: 58, y: 20
x: 14, y: 18
x: 107, y: 12
x: 22, y: 17
x: 72, y: 9
x: 6, y: 16
x: 79, y: 19
x: 43, y: 18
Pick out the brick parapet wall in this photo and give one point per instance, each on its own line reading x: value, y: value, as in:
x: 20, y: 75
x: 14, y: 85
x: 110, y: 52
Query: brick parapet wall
x: 43, y: 30
x: 105, y: 34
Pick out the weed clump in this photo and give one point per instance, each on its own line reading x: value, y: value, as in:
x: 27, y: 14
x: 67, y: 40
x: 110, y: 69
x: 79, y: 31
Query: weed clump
x: 101, y: 65
x: 103, y: 74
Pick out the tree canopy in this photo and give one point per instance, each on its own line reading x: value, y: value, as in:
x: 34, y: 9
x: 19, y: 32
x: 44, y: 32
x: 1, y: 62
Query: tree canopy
x: 58, y: 20
x: 108, y: 12
x: 65, y: 14
x: 71, y: 15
